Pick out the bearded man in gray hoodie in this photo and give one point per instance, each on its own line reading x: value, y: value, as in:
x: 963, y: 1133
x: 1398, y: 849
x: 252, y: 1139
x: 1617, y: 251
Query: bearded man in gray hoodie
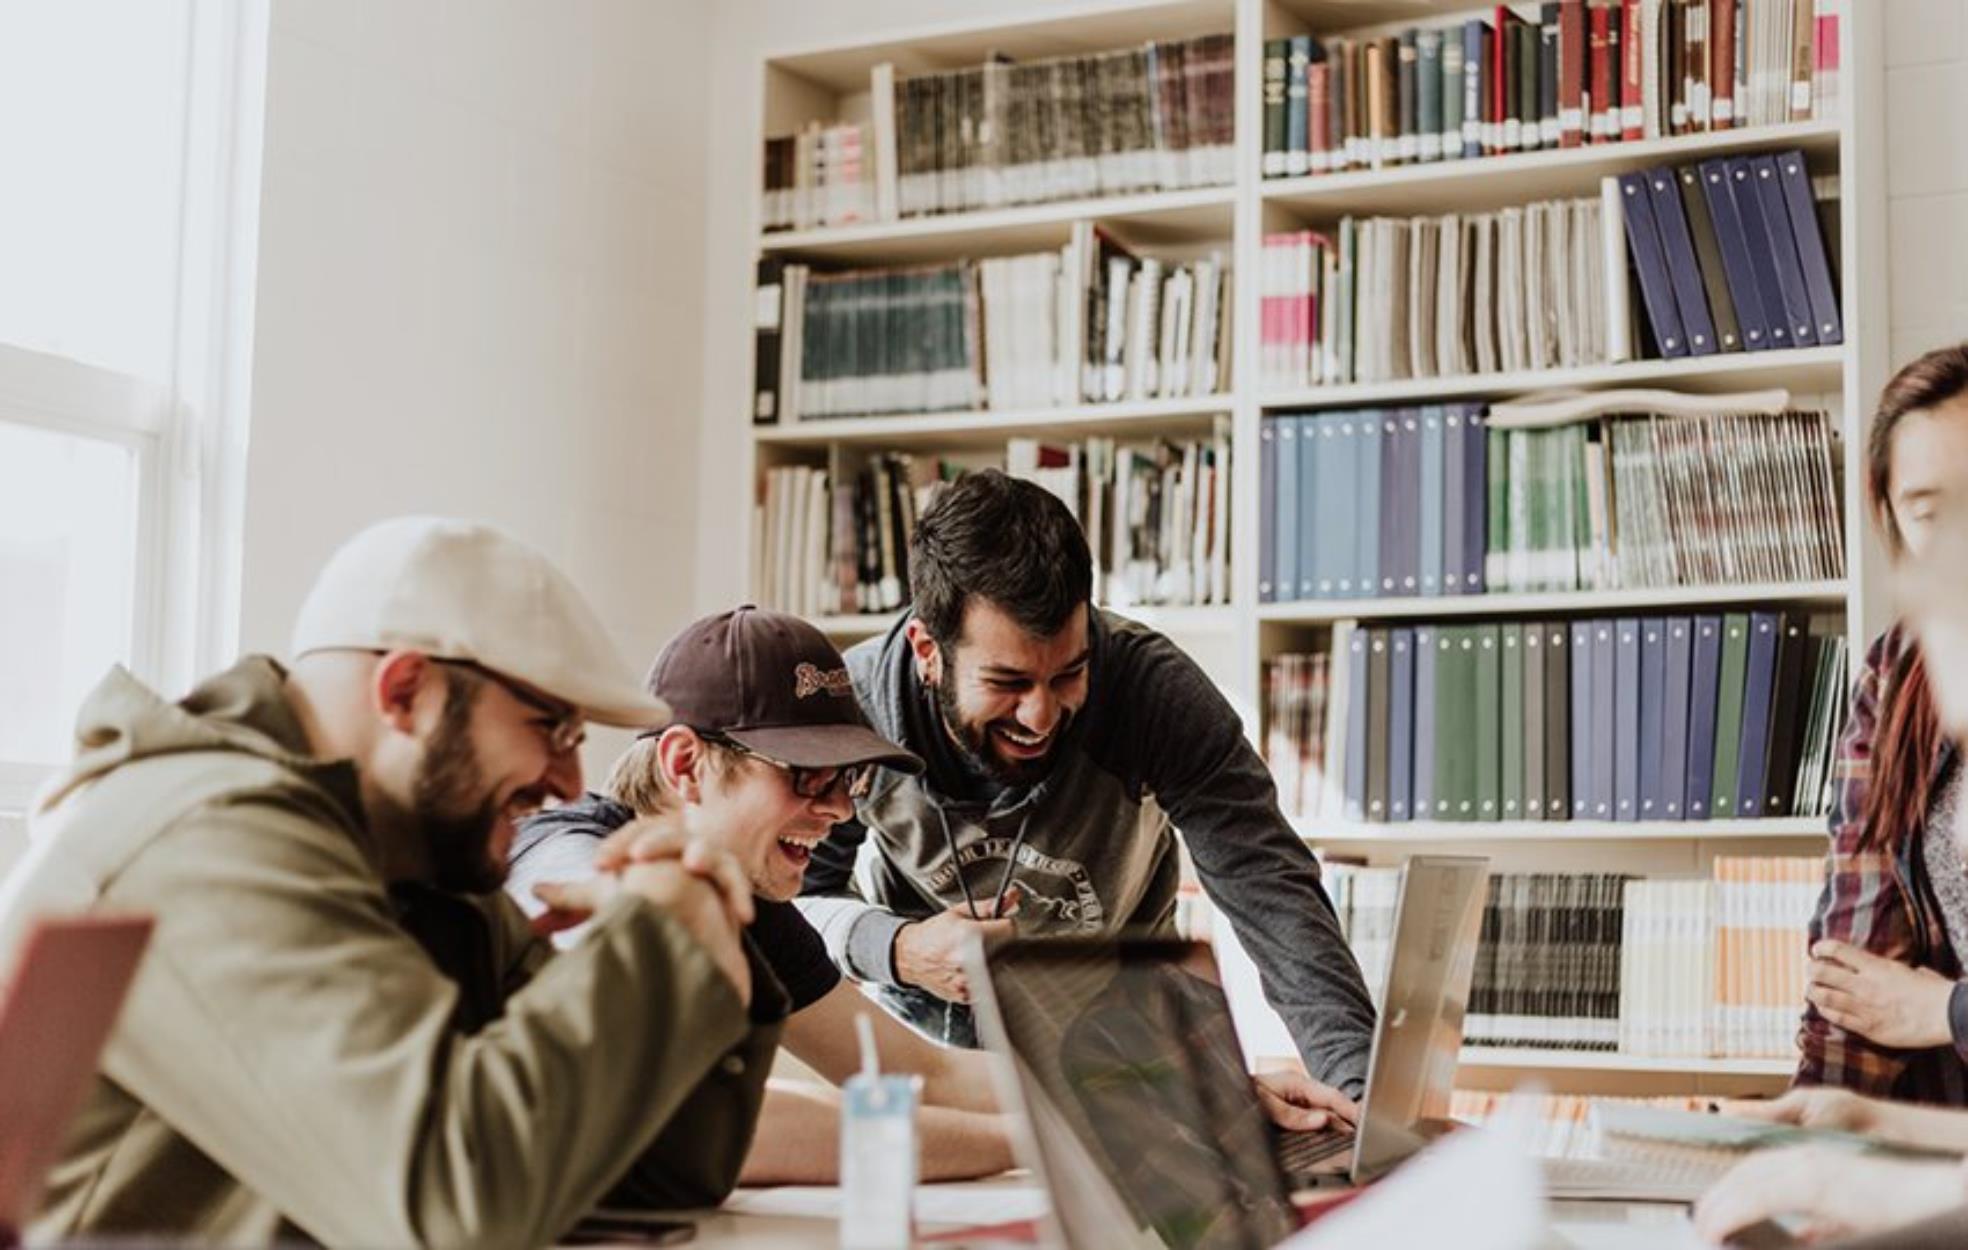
x: 1064, y: 745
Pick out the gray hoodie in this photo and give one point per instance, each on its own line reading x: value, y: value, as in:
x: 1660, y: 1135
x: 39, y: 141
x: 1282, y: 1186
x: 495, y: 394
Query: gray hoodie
x: 1155, y: 748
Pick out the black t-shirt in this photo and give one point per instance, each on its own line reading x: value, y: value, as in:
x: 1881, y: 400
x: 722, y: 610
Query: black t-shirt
x: 789, y: 944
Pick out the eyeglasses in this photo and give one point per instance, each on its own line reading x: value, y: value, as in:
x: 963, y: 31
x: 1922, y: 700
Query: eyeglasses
x: 563, y: 727
x: 808, y: 783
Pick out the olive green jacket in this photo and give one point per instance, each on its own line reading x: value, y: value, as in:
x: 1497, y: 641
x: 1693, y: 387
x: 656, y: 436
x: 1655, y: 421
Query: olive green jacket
x: 305, y: 1053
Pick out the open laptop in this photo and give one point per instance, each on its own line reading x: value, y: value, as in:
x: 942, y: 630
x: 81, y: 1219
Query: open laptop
x: 56, y: 1010
x: 1139, y: 1110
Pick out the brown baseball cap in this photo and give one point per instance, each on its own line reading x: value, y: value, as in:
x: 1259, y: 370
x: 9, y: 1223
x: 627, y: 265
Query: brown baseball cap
x: 774, y: 684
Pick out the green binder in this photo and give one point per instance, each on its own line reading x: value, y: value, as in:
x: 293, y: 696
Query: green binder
x: 1728, y: 716
x: 1488, y: 726
x: 1510, y: 638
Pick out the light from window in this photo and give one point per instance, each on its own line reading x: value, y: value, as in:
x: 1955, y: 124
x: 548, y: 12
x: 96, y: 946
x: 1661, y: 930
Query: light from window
x: 68, y: 560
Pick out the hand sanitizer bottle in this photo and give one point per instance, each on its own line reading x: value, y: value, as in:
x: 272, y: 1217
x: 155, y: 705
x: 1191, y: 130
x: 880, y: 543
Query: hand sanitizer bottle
x: 878, y: 1153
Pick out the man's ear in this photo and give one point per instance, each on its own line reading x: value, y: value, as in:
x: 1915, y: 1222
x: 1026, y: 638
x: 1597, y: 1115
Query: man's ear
x: 399, y: 676
x: 680, y: 760
x: 929, y: 657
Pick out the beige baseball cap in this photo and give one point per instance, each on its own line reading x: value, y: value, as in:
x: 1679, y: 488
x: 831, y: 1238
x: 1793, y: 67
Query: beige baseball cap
x: 461, y: 590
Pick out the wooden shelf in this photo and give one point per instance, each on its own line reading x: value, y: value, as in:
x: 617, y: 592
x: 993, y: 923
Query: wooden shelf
x: 1802, y: 371
x: 1162, y: 217
x: 979, y: 429
x: 1490, y: 182
x: 1176, y: 619
x: 1335, y: 833
x: 1612, y: 1061
x: 1553, y: 603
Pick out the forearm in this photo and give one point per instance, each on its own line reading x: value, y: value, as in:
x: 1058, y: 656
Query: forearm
x: 859, y: 935
x: 961, y: 1080
x: 1943, y: 1128
x: 798, y: 1140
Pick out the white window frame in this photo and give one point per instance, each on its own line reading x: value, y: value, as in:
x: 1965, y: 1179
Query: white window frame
x: 189, y: 434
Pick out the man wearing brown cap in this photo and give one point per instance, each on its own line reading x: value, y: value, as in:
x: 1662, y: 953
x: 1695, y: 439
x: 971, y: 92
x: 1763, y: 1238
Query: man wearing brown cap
x: 767, y: 752
x: 342, y: 1031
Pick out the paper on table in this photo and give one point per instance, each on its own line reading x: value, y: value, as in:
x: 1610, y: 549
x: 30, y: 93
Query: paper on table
x: 1476, y: 1189
x: 954, y: 1205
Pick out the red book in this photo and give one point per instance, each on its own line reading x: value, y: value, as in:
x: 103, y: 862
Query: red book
x: 1632, y: 106
x: 1503, y: 89
x: 1601, y: 101
x: 1571, y: 73
x: 1722, y: 64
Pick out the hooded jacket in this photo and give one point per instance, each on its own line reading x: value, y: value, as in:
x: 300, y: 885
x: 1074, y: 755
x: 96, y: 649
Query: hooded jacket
x: 305, y: 1052
x: 1092, y: 847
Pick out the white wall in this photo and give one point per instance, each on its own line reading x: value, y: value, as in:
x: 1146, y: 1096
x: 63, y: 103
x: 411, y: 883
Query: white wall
x: 1927, y: 173
x: 479, y: 287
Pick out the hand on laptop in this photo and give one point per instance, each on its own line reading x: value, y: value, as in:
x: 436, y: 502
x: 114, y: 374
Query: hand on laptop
x: 1821, y: 1106
x: 929, y: 954
x: 1835, y: 1191
x: 1294, y: 1100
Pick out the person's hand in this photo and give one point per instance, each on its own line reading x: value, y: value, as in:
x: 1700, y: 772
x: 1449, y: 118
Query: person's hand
x: 929, y: 954
x: 1881, y: 1000
x: 1835, y: 1191
x: 1818, y: 1106
x: 1294, y: 1100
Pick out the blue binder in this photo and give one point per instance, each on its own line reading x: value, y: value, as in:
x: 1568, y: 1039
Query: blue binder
x: 1285, y: 571
x: 1653, y: 716
x: 1581, y: 718
x: 1705, y: 686
x: 1605, y: 720
x: 1676, y: 661
x: 1759, y: 689
x: 1407, y: 517
x: 1332, y: 561
x: 1820, y: 284
x: 1319, y: 525
x: 1366, y: 480
x: 1267, y: 511
x: 1650, y: 261
x: 1392, y: 504
x: 1626, y: 719
x: 1736, y: 267
x: 1762, y: 256
x: 1783, y: 247
x: 1433, y: 496
x: 1683, y: 268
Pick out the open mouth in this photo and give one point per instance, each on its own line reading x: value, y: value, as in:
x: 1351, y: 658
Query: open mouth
x: 799, y: 850
x: 1021, y: 744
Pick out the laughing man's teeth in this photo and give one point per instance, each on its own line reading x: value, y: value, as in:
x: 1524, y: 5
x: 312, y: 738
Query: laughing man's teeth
x: 808, y: 843
x: 1022, y: 739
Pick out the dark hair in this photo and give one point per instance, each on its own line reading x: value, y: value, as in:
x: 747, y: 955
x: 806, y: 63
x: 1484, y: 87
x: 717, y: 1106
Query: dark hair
x: 1007, y: 541
x: 1907, y: 736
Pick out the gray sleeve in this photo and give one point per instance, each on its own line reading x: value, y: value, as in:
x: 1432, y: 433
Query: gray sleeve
x: 1254, y: 867
x: 860, y: 936
x: 558, y: 857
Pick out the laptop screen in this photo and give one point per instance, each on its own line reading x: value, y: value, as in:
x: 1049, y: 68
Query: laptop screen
x: 1128, y: 1058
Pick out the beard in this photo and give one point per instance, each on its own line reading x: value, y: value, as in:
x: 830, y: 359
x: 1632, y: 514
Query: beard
x: 450, y: 804
x: 973, y: 740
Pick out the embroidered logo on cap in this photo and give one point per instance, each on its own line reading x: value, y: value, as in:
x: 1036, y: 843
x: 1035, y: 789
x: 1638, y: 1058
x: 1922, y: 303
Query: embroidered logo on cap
x: 810, y: 680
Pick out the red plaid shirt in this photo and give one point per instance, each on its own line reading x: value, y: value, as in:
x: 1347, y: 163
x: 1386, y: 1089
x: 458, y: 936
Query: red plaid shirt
x: 1882, y: 902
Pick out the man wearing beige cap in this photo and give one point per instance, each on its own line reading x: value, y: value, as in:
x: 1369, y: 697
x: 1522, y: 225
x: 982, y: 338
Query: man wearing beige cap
x: 343, y: 1031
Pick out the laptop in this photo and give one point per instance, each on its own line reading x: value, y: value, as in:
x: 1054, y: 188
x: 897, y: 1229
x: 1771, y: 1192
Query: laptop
x: 1139, y: 1112
x: 56, y: 1011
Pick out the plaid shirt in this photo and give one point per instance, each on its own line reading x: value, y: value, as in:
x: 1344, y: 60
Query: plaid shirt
x: 1882, y: 902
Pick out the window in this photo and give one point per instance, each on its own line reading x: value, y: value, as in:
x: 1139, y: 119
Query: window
x: 130, y: 133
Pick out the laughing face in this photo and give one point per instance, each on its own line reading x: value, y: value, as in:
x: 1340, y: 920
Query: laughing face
x: 1006, y: 696
x: 748, y: 807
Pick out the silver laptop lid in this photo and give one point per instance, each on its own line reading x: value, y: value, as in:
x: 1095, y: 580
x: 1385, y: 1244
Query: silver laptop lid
x: 1411, y: 1076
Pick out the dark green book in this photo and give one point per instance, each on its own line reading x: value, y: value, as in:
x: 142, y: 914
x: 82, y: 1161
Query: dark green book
x: 1455, y: 724
x: 1533, y: 687
x: 1487, y: 730
x: 1510, y: 639
x: 1728, y: 716
x: 1557, y: 721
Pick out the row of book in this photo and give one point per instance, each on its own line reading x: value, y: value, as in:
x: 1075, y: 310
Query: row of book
x: 1713, y: 717
x: 1156, y: 516
x: 1091, y: 322
x: 1385, y: 299
x: 1159, y: 116
x: 1434, y: 501
x: 1571, y: 73
x: 818, y: 177
x: 1730, y: 256
x: 1701, y: 968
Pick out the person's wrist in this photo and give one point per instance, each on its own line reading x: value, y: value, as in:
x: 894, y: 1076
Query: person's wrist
x: 901, y: 954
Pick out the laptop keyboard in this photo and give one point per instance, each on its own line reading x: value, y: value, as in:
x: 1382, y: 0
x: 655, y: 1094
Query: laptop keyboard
x: 1301, y: 1150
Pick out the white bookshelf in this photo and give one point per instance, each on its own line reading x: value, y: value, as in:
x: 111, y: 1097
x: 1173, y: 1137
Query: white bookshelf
x: 831, y: 81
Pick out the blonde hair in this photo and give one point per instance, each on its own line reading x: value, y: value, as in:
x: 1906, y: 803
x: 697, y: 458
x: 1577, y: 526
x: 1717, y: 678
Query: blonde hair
x: 636, y: 779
